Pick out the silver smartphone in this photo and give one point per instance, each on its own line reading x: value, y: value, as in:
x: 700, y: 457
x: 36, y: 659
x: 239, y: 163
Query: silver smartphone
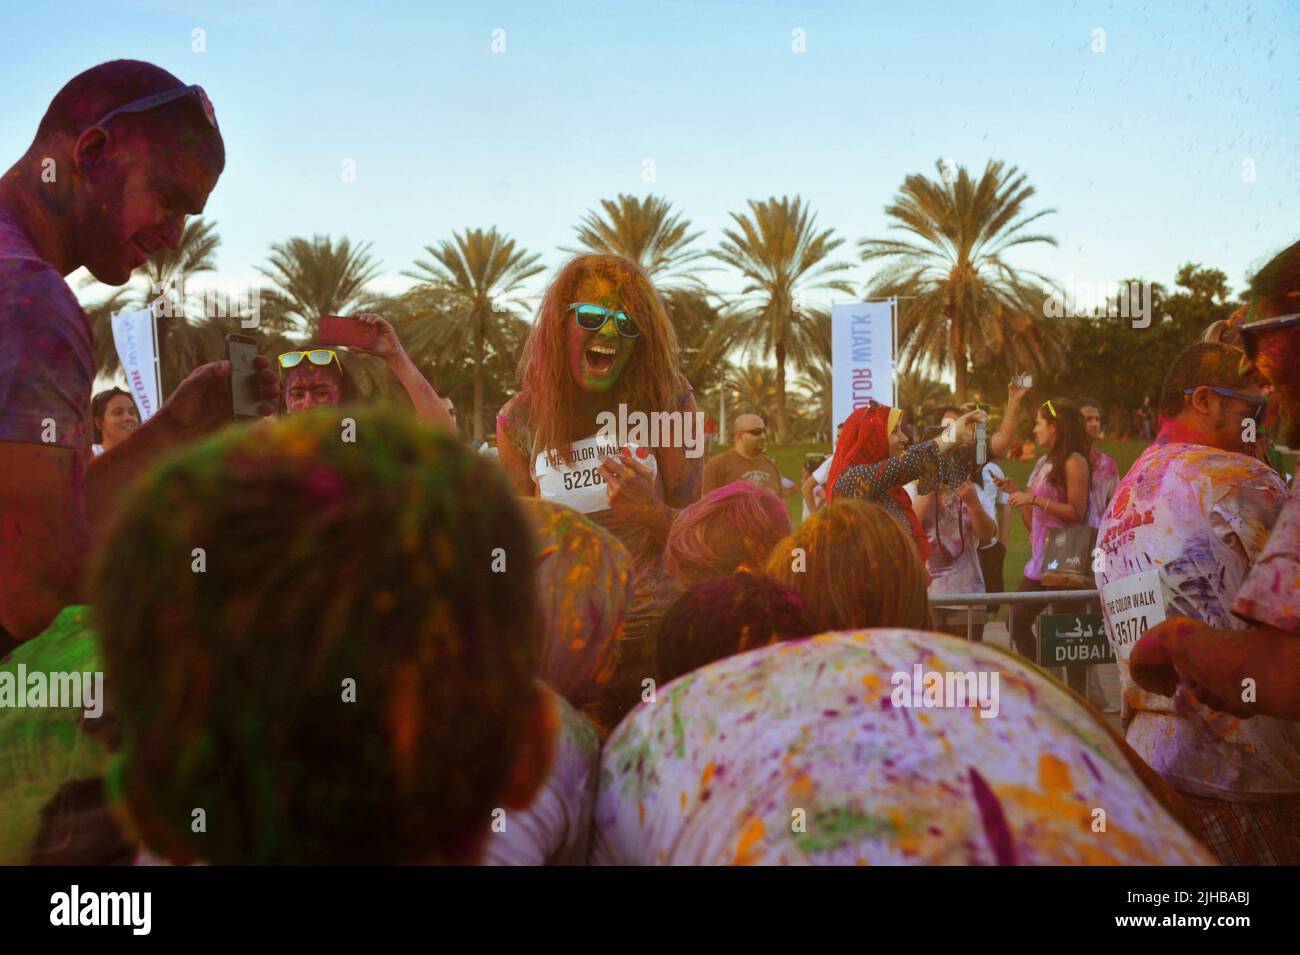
x: 243, y: 392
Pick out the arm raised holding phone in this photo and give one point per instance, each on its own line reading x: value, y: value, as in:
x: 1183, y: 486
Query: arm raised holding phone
x: 371, y: 334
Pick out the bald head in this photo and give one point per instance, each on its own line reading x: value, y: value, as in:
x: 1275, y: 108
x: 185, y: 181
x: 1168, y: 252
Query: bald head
x: 107, y: 192
x: 96, y: 92
x: 751, y: 435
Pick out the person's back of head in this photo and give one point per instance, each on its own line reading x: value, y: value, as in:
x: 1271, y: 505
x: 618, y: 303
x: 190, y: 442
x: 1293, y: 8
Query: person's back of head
x: 319, y: 655
x: 730, y: 528
x: 1209, y: 390
x: 724, y: 616
x: 856, y: 566
x: 584, y: 582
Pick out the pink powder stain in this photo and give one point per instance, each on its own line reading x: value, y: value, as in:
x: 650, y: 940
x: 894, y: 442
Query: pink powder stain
x: 995, y: 821
x: 324, y: 485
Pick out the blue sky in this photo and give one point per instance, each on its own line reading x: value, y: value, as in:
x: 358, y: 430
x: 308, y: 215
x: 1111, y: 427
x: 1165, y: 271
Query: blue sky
x: 1140, y: 148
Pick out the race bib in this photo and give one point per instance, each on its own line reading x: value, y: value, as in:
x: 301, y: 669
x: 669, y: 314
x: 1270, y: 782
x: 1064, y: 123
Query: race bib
x: 1132, y: 605
x: 577, y: 482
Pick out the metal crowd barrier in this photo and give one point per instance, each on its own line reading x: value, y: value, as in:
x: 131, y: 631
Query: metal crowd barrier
x: 970, y: 601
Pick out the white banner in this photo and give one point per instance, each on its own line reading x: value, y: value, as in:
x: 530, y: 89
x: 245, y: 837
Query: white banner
x: 862, y: 353
x: 136, y: 341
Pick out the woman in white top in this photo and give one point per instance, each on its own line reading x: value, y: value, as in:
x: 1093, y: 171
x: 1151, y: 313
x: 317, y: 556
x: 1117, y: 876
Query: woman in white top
x: 114, y: 416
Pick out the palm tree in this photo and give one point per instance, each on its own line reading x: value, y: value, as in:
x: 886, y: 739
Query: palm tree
x: 316, y: 277
x: 184, y: 341
x: 970, y: 305
x: 752, y: 389
x: 649, y: 233
x: 646, y: 231
x: 427, y: 318
x: 167, y: 269
x: 100, y: 315
x: 479, y: 273
x: 782, y: 255
x: 817, y: 390
x: 694, y: 315
x: 921, y: 396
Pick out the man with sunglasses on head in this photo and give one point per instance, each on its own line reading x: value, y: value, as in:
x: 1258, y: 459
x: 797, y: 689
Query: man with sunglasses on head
x: 1253, y: 671
x: 746, y: 460
x: 313, y: 377
x: 1197, y: 506
x: 123, y: 155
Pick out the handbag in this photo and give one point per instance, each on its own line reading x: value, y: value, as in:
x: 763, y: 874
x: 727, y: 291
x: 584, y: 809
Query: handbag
x: 1067, y: 558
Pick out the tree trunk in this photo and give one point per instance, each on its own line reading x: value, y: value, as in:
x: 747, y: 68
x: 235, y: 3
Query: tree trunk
x: 957, y: 338
x: 780, y: 392
x: 478, y: 373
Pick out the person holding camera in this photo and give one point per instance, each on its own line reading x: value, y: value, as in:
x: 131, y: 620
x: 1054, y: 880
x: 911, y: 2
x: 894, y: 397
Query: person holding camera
x: 312, y: 376
x: 875, y: 459
x: 957, y: 525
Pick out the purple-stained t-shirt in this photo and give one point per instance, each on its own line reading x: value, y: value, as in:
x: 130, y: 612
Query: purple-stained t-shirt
x: 1040, y: 486
x: 1102, y: 480
x: 1271, y: 591
x: 47, y: 359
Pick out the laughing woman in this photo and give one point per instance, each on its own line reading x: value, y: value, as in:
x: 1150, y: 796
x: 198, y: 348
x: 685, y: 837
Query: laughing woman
x: 603, y: 343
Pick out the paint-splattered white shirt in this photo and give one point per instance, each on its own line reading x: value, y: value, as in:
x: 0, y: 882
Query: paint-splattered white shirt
x: 1103, y: 476
x: 1200, y: 516
x: 800, y: 753
x: 555, y: 828
x: 1271, y: 593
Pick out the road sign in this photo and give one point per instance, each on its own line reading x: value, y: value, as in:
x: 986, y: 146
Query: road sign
x: 1078, y: 638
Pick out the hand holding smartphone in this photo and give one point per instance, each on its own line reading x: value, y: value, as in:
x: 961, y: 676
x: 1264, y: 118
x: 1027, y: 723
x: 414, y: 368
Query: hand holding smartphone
x: 347, y: 332
x: 242, y: 351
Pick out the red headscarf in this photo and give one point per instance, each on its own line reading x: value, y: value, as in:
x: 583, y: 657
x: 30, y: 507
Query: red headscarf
x: 865, y: 440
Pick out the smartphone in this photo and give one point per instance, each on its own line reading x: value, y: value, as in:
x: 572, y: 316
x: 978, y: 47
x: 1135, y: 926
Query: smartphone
x: 348, y: 332
x: 243, y: 392
x: 981, y: 448
x: 1024, y: 381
